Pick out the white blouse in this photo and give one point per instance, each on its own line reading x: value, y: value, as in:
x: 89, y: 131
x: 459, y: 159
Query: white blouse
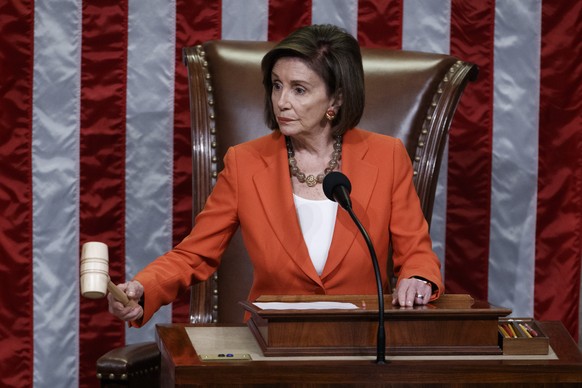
x: 317, y: 220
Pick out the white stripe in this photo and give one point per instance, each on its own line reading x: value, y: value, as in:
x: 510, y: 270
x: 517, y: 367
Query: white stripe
x: 342, y: 13
x: 515, y: 151
x: 149, y: 141
x: 426, y: 27
x: 245, y: 20
x: 55, y: 179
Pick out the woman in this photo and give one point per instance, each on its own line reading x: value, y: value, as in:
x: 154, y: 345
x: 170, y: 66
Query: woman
x: 270, y: 187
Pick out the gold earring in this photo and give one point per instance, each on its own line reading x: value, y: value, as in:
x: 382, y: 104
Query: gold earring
x: 330, y: 114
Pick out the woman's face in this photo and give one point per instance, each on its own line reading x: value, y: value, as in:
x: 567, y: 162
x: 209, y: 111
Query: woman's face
x: 299, y: 98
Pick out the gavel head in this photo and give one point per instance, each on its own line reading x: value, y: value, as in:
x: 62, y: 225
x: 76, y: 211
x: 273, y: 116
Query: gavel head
x: 94, y: 270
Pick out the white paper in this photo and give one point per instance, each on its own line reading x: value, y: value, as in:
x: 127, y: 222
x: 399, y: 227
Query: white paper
x: 306, y: 306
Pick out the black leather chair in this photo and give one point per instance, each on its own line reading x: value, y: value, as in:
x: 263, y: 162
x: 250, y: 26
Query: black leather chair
x: 409, y: 95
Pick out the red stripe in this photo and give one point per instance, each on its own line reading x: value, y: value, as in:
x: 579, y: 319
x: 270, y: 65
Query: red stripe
x: 16, y: 311
x: 469, y: 164
x: 559, y: 213
x: 380, y: 23
x: 196, y: 22
x: 102, y: 166
x: 286, y: 16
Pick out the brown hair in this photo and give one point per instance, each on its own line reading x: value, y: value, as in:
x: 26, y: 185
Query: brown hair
x: 335, y: 56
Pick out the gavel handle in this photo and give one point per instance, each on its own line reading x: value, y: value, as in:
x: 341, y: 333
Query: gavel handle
x: 119, y: 295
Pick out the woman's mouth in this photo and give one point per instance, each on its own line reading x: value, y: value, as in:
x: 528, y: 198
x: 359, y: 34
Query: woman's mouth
x: 284, y: 120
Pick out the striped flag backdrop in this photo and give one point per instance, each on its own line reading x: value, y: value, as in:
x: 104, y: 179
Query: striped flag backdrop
x: 94, y: 145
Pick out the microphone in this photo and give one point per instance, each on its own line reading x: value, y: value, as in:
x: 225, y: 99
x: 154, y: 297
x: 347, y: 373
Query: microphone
x: 337, y: 188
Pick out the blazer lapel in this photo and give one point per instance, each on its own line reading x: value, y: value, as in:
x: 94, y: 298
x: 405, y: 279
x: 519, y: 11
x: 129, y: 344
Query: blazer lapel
x: 362, y: 176
x: 278, y: 204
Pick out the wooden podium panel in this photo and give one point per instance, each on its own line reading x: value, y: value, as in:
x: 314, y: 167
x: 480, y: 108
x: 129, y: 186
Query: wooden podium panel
x: 453, y: 324
x: 181, y: 367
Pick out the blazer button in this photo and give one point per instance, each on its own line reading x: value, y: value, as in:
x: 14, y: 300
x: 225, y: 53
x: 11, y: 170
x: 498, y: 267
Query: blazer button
x: 319, y: 291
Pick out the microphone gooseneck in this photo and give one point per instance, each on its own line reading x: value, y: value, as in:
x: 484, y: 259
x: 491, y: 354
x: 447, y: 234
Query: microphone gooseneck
x: 337, y: 188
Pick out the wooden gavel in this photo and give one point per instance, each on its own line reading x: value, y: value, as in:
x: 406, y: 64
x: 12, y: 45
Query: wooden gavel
x: 94, y: 272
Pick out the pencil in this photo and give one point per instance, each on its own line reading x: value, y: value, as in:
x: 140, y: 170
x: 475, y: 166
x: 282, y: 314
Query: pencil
x: 509, y: 328
x: 503, y: 332
x: 524, y: 330
x: 531, y: 331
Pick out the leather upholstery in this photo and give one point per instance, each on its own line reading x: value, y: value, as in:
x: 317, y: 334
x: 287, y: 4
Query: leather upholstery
x: 136, y: 365
x: 409, y: 95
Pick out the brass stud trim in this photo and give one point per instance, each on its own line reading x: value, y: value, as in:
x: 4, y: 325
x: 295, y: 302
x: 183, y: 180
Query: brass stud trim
x: 212, y: 285
x: 429, y: 117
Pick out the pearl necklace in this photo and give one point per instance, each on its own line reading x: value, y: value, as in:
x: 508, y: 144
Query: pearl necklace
x: 311, y: 180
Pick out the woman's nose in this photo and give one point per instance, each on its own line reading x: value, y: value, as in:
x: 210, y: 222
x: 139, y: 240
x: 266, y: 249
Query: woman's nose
x: 282, y: 101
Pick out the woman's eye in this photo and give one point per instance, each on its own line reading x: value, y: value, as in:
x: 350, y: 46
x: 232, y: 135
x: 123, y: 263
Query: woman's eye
x: 299, y: 90
x: 276, y: 85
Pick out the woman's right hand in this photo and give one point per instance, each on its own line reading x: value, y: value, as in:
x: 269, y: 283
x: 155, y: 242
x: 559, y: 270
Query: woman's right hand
x: 133, y: 311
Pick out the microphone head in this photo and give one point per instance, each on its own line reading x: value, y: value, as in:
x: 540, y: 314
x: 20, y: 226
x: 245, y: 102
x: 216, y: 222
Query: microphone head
x: 332, y: 181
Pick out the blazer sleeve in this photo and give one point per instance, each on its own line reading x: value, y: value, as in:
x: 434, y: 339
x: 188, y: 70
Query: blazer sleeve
x: 198, y: 256
x: 412, y: 246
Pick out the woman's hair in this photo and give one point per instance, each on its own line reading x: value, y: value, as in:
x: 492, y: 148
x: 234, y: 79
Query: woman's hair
x: 335, y: 56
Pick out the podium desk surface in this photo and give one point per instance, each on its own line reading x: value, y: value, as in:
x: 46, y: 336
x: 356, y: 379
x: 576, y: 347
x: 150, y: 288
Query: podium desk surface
x: 182, y: 366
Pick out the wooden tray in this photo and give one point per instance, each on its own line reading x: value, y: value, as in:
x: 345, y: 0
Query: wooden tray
x: 537, y: 343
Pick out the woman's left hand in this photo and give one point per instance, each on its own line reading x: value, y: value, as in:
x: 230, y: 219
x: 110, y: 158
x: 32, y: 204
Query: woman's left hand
x: 410, y: 292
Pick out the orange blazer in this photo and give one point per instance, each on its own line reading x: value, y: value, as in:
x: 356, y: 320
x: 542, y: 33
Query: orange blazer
x: 254, y: 192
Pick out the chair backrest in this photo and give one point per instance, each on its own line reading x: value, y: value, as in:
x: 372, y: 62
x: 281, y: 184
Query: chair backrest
x: 409, y: 95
